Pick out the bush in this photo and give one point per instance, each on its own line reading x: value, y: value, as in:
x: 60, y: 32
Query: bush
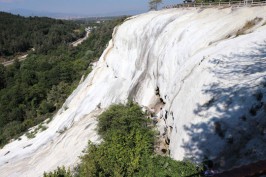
x: 126, y: 141
x: 60, y: 172
x: 127, y: 148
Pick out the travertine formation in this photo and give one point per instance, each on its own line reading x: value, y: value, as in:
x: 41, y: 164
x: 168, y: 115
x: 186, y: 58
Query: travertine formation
x: 201, y: 71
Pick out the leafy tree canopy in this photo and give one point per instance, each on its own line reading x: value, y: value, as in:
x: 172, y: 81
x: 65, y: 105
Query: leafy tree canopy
x: 127, y: 149
x: 19, y: 34
x: 31, y: 91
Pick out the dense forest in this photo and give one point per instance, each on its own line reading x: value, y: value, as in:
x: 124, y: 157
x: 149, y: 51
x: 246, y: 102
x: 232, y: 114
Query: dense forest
x: 19, y: 34
x: 127, y: 150
x: 33, y: 90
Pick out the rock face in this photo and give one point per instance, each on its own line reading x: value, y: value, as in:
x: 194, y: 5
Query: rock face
x: 202, y: 71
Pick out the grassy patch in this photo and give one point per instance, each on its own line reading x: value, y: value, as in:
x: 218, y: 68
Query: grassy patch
x: 39, y: 128
x: 30, y: 135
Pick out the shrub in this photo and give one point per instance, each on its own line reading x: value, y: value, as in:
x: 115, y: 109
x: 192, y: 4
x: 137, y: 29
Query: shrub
x: 126, y: 150
x: 127, y: 141
x: 59, y: 172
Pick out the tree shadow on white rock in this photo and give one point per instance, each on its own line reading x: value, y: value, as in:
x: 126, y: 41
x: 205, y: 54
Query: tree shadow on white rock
x: 233, y: 130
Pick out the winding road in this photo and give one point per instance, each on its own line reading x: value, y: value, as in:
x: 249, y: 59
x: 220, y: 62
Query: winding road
x: 79, y: 41
x: 24, y: 57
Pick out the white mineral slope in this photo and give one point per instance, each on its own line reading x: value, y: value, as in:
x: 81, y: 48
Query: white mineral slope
x: 212, y: 82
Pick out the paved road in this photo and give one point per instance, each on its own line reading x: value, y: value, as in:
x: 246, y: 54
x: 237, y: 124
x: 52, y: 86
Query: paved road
x: 79, y: 41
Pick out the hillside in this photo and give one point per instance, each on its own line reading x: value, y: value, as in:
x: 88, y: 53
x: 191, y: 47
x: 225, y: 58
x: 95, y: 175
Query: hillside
x: 20, y: 34
x: 33, y: 90
x: 200, y: 73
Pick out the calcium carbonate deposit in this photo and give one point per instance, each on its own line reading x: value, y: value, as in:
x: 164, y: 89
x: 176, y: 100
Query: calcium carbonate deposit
x: 201, y: 73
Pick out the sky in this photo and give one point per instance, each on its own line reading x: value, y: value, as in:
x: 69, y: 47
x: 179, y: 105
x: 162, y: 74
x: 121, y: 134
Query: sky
x: 84, y: 7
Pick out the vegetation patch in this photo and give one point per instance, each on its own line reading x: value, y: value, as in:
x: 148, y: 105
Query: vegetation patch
x: 30, y: 135
x: 127, y: 149
x: 59, y: 172
x: 35, y: 89
x: 39, y: 128
x: 19, y: 34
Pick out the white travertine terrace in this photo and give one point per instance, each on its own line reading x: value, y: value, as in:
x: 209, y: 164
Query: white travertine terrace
x: 208, y: 77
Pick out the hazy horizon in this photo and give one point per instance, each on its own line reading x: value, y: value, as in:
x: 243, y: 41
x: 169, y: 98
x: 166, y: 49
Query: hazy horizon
x: 79, y: 7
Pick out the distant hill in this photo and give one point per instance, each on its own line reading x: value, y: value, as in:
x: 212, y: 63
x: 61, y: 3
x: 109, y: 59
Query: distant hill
x: 58, y: 15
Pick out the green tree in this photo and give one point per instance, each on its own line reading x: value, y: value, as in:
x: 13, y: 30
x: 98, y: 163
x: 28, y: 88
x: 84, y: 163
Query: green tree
x: 19, y: 34
x: 32, y: 90
x: 126, y: 142
x: 127, y: 148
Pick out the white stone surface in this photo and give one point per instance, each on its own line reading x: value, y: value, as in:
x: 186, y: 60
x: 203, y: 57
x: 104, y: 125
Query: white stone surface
x: 203, y: 71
